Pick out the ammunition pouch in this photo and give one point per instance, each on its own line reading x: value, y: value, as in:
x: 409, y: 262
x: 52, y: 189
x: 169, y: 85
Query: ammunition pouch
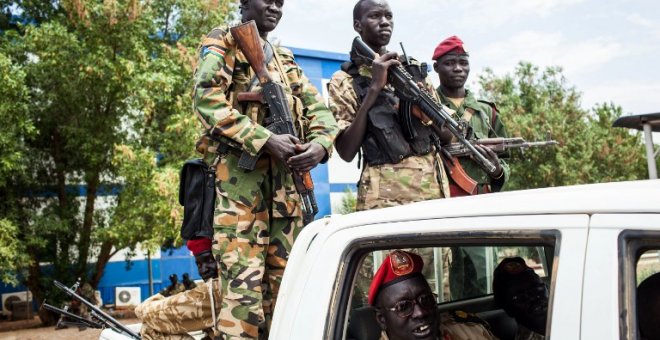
x: 197, y: 196
x: 392, y: 133
x: 385, y: 142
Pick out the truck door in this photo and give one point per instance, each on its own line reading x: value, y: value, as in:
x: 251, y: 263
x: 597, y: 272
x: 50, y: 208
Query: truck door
x: 327, y: 308
x: 623, y: 250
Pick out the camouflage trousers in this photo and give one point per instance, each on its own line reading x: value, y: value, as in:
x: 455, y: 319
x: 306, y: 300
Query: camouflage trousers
x: 252, y: 248
x: 173, y: 317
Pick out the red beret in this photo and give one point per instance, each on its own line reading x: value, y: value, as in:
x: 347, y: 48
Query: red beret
x: 451, y: 44
x: 397, y: 266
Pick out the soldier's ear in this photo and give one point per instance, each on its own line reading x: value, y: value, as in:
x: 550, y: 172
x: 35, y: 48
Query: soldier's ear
x: 380, y: 318
x: 435, y: 66
x: 357, y: 26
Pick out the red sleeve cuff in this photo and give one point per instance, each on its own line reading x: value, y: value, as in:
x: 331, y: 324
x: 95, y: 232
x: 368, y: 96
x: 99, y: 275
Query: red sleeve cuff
x: 199, y: 245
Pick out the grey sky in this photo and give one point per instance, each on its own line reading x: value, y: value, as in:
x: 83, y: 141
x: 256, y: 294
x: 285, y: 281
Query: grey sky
x: 609, y: 49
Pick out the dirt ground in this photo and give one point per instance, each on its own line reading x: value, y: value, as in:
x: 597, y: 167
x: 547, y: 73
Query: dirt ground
x: 16, y: 330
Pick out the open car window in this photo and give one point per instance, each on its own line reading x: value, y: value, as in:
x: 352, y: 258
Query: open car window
x: 460, y: 273
x: 455, y: 273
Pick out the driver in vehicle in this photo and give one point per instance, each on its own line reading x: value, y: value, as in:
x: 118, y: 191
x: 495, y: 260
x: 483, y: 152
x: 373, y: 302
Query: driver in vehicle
x: 406, y: 307
x: 523, y: 295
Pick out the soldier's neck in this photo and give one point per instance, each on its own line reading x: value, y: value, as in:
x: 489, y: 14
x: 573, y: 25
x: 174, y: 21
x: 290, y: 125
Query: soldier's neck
x: 458, y: 92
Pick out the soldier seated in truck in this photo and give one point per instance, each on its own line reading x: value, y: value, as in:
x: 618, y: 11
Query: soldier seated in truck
x: 406, y: 308
x: 523, y: 295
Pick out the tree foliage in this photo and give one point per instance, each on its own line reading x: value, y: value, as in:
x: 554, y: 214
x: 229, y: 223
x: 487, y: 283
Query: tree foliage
x: 535, y: 103
x: 109, y: 108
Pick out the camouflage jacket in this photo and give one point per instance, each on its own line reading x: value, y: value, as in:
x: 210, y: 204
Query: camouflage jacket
x: 482, y: 127
x: 222, y: 72
x: 416, y: 178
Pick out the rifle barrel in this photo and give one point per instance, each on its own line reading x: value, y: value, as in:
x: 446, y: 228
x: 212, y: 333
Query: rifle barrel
x: 109, y: 320
x: 77, y: 318
x: 406, y: 88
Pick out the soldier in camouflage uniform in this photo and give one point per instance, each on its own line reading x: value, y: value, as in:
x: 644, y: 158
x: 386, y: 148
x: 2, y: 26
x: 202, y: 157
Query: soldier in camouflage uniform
x: 258, y: 213
x: 453, y: 67
x: 358, y: 96
x: 414, y: 175
x: 171, y: 318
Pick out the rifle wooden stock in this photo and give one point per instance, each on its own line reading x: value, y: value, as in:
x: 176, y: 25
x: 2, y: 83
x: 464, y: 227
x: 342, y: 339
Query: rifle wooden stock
x: 247, y: 38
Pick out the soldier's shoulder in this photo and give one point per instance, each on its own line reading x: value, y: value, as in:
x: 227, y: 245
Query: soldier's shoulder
x: 488, y: 104
x: 339, y: 77
x: 218, y: 32
x: 286, y: 55
x: 285, y: 52
x: 216, y: 37
x: 461, y: 317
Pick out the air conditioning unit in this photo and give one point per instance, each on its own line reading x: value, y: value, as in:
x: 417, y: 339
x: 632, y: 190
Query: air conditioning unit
x: 9, y: 298
x: 127, y: 297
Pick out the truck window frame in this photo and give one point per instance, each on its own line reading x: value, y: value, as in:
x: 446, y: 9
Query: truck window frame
x: 337, y: 319
x: 632, y: 244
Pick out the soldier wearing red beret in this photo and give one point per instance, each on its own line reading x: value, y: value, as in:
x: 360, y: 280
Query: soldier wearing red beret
x: 452, y: 63
x: 406, y: 307
x: 453, y: 67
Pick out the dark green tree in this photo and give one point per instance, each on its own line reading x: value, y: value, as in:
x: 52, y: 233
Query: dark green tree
x: 535, y: 103
x: 108, y: 84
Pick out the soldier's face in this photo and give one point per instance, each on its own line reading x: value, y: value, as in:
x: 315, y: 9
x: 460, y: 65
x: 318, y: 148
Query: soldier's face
x: 422, y: 323
x: 265, y: 13
x: 376, y: 23
x: 453, y: 70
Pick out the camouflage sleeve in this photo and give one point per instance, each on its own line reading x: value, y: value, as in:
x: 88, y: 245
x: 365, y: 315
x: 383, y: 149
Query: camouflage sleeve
x: 213, y: 77
x: 343, y: 99
x: 321, y: 126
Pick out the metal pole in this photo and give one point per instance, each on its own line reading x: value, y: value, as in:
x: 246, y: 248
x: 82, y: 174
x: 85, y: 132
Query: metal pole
x: 438, y: 261
x: 151, y: 281
x: 650, y: 153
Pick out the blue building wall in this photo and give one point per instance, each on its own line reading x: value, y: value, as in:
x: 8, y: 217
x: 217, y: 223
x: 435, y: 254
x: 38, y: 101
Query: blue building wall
x: 318, y: 66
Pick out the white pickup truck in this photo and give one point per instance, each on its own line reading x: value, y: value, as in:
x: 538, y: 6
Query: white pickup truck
x: 592, y: 244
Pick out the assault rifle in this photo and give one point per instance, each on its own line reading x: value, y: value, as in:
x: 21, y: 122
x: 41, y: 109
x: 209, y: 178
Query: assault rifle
x: 499, y: 145
x: 99, y: 319
x: 280, y: 119
x: 429, y: 111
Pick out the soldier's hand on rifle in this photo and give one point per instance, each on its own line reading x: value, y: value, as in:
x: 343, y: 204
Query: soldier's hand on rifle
x: 281, y: 146
x: 492, y: 157
x: 308, y: 156
x: 207, y: 266
x: 379, y: 70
